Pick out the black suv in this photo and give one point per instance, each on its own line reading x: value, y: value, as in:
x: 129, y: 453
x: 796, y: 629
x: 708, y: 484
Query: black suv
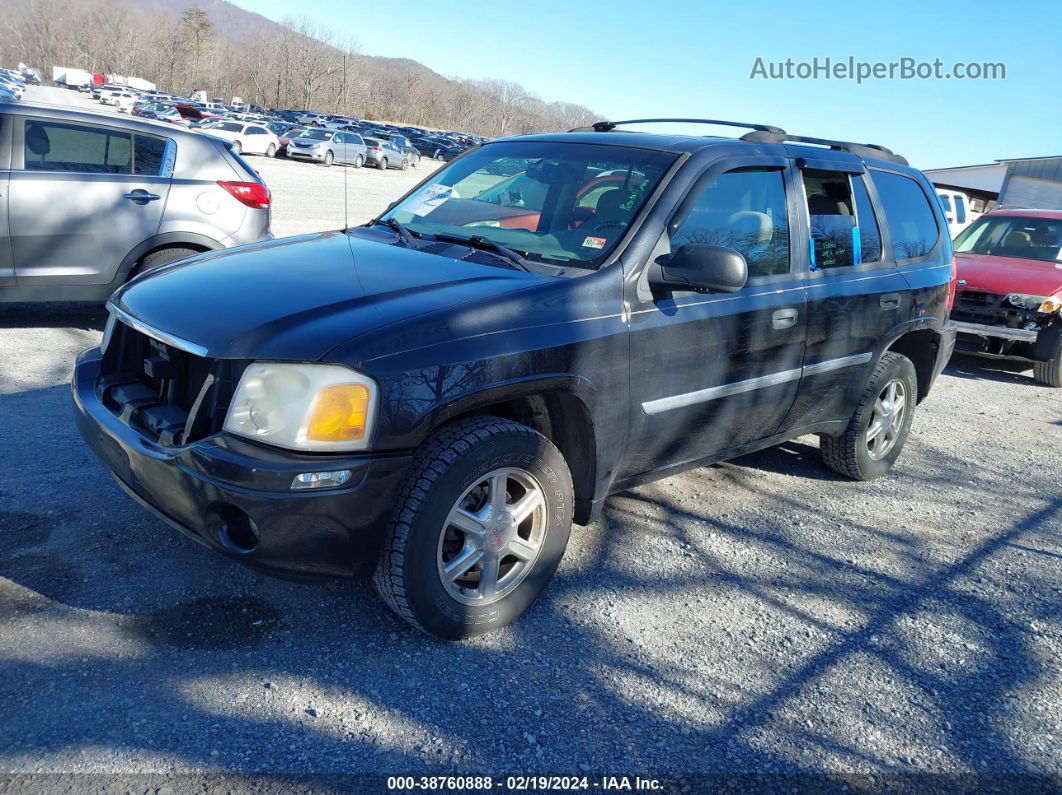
x: 437, y: 395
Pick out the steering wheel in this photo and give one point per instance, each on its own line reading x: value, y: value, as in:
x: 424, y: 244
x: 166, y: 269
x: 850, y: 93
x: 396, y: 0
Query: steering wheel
x: 610, y: 225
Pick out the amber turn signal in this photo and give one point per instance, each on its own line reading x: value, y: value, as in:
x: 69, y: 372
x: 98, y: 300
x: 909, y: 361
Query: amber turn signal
x: 340, y: 414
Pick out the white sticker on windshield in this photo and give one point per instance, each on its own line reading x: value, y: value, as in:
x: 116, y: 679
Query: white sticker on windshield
x: 430, y: 198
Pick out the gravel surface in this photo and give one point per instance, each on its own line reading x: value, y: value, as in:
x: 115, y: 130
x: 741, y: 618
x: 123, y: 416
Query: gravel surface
x: 759, y: 616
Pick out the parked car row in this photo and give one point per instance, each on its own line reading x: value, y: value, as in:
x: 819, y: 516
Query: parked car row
x: 13, y: 84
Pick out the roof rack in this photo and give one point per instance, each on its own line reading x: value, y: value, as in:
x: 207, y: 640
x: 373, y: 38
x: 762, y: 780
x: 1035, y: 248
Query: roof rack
x: 864, y: 150
x: 605, y: 126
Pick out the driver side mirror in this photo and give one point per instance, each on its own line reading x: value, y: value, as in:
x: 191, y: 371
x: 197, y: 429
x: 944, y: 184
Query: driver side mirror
x: 700, y: 266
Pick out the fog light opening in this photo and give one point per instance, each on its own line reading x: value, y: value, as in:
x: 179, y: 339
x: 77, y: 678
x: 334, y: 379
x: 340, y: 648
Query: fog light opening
x: 235, y: 529
x: 320, y: 480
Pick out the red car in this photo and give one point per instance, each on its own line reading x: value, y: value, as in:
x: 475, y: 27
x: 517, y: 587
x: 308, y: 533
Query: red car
x: 1009, y: 266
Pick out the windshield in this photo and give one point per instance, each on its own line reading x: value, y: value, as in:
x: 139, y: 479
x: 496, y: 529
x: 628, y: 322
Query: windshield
x: 318, y: 135
x: 1013, y: 236
x: 561, y: 203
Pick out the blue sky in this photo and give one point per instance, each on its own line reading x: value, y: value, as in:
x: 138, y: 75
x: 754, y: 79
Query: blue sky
x: 628, y: 59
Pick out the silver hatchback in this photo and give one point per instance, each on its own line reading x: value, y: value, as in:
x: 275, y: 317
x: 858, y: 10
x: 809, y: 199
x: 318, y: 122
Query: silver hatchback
x: 89, y: 200
x: 323, y: 145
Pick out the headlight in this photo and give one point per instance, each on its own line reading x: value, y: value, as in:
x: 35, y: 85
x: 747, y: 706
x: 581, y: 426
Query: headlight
x: 1038, y: 302
x: 1051, y: 305
x: 304, y: 406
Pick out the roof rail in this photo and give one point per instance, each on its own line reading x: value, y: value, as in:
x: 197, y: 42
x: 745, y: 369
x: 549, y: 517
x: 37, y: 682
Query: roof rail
x: 864, y: 150
x: 605, y: 126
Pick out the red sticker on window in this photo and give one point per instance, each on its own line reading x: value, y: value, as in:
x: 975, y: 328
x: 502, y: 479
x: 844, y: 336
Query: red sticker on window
x: 594, y: 242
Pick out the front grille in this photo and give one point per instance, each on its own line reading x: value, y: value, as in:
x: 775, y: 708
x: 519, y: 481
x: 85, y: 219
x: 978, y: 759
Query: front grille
x: 990, y: 309
x: 168, y: 395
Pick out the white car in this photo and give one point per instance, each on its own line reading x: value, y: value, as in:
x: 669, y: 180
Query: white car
x: 248, y: 139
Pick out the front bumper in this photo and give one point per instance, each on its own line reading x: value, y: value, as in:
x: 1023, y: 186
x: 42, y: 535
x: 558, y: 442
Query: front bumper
x: 206, y: 488
x: 305, y: 154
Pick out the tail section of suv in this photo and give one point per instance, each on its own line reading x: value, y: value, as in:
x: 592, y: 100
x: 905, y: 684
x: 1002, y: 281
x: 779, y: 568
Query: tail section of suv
x: 434, y: 397
x: 89, y: 200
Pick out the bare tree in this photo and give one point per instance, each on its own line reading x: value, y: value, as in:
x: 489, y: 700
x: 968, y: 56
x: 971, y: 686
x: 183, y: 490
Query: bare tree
x: 298, y: 65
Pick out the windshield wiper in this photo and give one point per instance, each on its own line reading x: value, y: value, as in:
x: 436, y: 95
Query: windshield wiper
x: 486, y: 244
x: 408, y: 235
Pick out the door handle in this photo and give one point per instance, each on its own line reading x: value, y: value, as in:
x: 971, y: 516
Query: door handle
x: 890, y: 301
x: 784, y: 318
x: 141, y: 196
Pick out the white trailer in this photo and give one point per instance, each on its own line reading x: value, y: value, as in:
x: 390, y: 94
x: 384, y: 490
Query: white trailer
x: 71, y: 77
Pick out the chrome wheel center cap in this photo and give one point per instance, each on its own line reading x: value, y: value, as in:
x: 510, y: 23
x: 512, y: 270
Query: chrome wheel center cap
x: 500, y: 533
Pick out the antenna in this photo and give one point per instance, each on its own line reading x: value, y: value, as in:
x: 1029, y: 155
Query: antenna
x: 346, y: 168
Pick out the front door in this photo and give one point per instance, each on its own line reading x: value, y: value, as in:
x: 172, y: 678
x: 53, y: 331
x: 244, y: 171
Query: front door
x: 714, y: 371
x: 77, y: 203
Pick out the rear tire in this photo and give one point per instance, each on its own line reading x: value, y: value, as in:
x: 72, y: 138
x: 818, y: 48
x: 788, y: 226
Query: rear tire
x: 359, y: 161
x: 429, y: 572
x: 1049, y: 373
x: 157, y: 259
x: 271, y: 151
x: 382, y: 164
x: 865, y: 454
x: 405, y: 164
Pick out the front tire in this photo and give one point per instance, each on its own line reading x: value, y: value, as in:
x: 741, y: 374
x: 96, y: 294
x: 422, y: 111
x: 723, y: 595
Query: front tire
x: 1049, y: 373
x: 237, y: 147
x: 878, y: 430
x: 329, y: 158
x: 479, y: 528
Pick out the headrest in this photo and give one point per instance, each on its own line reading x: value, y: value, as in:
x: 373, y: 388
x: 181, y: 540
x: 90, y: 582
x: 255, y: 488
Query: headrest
x: 37, y: 140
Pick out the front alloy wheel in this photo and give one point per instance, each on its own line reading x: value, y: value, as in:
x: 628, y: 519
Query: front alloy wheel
x: 492, y: 536
x: 478, y: 529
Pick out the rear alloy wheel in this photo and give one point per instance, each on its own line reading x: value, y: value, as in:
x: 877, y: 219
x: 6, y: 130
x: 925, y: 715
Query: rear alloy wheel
x: 479, y: 528
x: 271, y: 151
x: 880, y: 425
x: 382, y: 164
x: 416, y: 161
x: 359, y: 161
x: 329, y: 158
x: 1049, y: 373
x: 405, y: 164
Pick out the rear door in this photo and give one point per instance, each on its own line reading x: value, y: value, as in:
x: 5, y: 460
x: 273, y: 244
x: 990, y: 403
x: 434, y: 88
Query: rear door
x: 856, y: 294
x: 79, y: 201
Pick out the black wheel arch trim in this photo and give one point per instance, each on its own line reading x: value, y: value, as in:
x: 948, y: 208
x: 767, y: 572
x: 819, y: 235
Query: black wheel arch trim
x: 164, y: 240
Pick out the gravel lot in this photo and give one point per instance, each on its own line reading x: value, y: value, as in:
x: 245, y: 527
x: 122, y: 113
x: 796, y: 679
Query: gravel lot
x: 760, y: 616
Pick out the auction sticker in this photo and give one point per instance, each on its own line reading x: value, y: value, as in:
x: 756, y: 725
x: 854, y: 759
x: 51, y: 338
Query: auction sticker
x: 594, y: 242
x: 430, y: 198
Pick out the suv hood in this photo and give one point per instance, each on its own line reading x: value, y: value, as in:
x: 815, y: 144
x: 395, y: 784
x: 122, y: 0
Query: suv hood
x: 298, y: 298
x: 1003, y: 275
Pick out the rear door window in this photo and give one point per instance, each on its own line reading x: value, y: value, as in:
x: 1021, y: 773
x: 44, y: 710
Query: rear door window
x: 151, y: 156
x: 832, y: 219
x: 912, y: 223
x: 867, y: 229
x: 55, y: 146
